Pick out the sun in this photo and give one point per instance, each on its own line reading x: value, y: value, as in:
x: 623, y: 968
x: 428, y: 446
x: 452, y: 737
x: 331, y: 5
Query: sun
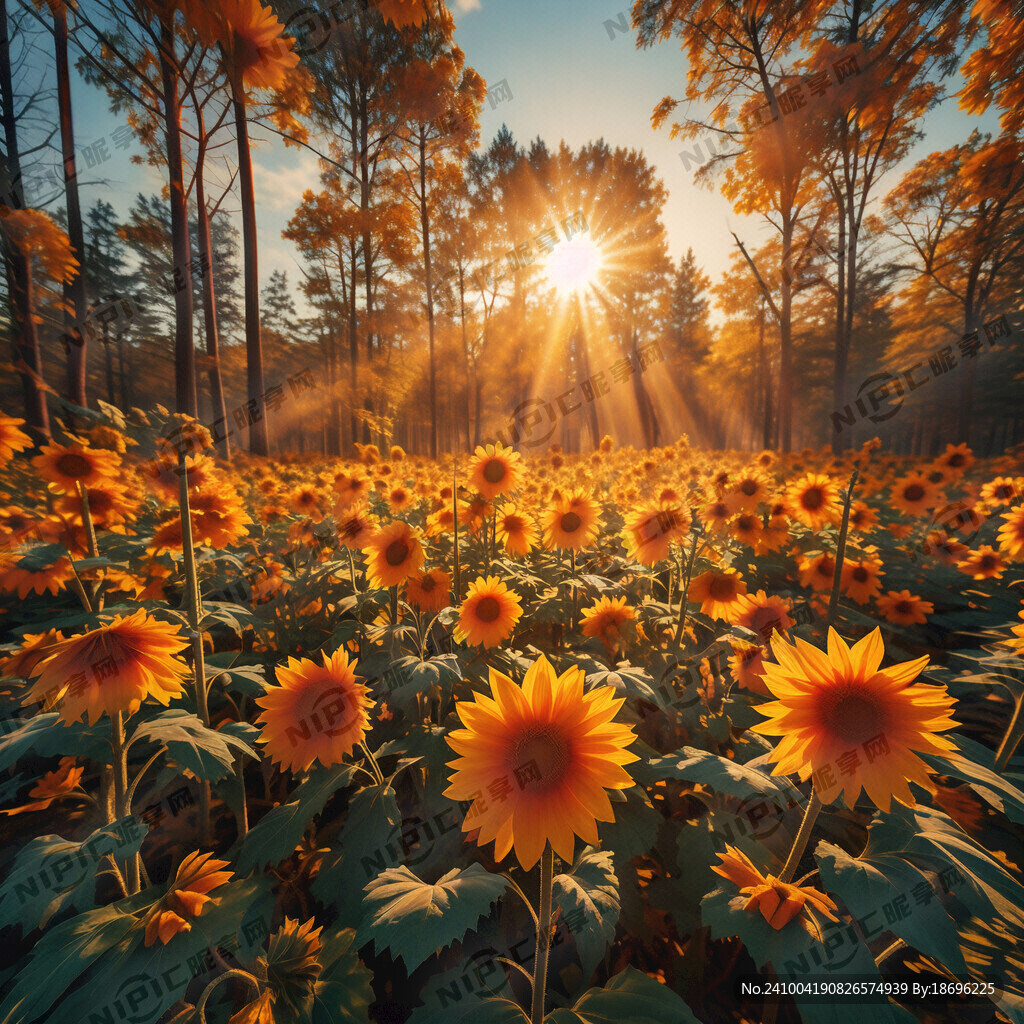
x: 573, y: 266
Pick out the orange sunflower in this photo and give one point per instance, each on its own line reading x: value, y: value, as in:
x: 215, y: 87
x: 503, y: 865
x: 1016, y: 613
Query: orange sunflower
x: 393, y: 554
x: 650, y: 532
x: 1004, y: 490
x: 112, y: 668
x: 747, y: 666
x: 186, y: 897
x: 572, y: 522
x: 817, y: 571
x: 762, y: 614
x: 429, y: 591
x: 913, y: 494
x: 718, y: 591
x: 903, y: 608
x: 66, y: 466
x: 489, y: 613
x: 860, y: 580
x: 62, y: 781
x: 26, y: 576
x: 355, y: 526
x: 605, y: 620
x: 317, y: 712
x: 984, y: 564
x: 495, y: 470
x: 943, y: 548
x: 11, y: 438
x: 34, y: 647
x: 748, y: 491
x: 863, y: 518
x: 814, y: 501
x: 747, y: 528
x: 850, y: 724
x: 552, y: 748
x: 1011, y: 533
x: 778, y: 902
x: 516, y: 530
x: 956, y: 458
x: 251, y: 37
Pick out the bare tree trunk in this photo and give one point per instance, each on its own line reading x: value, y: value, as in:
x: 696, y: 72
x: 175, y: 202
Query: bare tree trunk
x: 425, y: 228
x: 108, y: 360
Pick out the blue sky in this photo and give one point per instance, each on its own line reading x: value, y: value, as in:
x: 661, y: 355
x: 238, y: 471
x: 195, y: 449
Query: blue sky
x: 572, y: 76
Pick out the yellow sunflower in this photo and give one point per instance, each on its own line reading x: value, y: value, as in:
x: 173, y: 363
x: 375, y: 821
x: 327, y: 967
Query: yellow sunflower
x: 984, y: 564
x: 650, y: 532
x: 762, y: 613
x: 718, y: 592
x: 605, y: 620
x: 913, y: 494
x: 429, y: 591
x: 535, y: 761
x: 488, y: 614
x: 11, y: 438
x: 572, y: 522
x: 495, y: 470
x: 814, y: 501
x: 903, y: 608
x: 516, y: 530
x: 848, y: 723
x: 1011, y: 533
x: 393, y: 554
x: 317, y: 712
x: 66, y: 466
x: 860, y: 579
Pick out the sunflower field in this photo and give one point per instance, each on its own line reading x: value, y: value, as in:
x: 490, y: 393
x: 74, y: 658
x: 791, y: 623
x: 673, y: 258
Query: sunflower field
x: 637, y: 736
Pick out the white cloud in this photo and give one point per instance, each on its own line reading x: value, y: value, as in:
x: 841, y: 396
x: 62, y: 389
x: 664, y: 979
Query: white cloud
x: 467, y: 5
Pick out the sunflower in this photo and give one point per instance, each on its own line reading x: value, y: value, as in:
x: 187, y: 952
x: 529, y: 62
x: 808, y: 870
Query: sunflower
x: 715, y: 516
x: 217, y: 516
x: 16, y: 525
x: 849, y: 724
x: 251, y: 37
x: 550, y: 750
x: 913, y: 494
x: 441, y: 521
x: 984, y: 564
x: 400, y: 498
x: 903, y: 608
x: 305, y: 501
x: 1011, y: 533
x: 1004, y: 490
x: 112, y: 668
x: 718, y: 591
x: 34, y: 647
x: 350, y: 488
x: 186, y: 897
x: 778, y: 902
x: 317, y: 711
x: 355, y: 526
x: 474, y: 513
x: 817, y: 571
x: 572, y: 522
x: 11, y: 438
x: 747, y: 666
x: 650, y: 532
x: 164, y: 479
x: 489, y: 613
x: 61, y: 782
x: 863, y: 518
x: 860, y: 580
x: 109, y: 505
x: 956, y: 458
x: 26, y: 576
x: 748, y: 491
x: 516, y: 529
x: 747, y: 528
x: 495, y: 470
x: 814, y: 501
x: 774, y: 536
x: 67, y: 466
x: 762, y: 614
x: 605, y: 620
x: 429, y: 591
x: 943, y: 548
x: 393, y: 554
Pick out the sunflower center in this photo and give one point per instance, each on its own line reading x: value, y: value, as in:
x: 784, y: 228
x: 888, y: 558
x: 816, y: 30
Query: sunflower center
x: 511, y: 524
x: 488, y: 609
x: 1004, y: 491
x: 541, y: 758
x: 937, y: 476
x: 812, y: 499
x: 860, y: 574
x: 427, y: 584
x: 396, y: 552
x: 571, y: 522
x: 988, y: 562
x: 903, y: 607
x: 915, y: 492
x: 853, y: 716
x: 746, y: 522
x: 494, y: 471
x: 765, y: 621
x: 749, y: 488
x: 74, y: 465
x: 722, y: 588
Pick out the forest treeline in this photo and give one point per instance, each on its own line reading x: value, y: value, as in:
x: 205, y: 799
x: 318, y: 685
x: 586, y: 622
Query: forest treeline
x: 872, y: 294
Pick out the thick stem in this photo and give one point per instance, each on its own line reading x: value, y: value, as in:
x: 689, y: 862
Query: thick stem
x: 540, y: 969
x: 841, y: 549
x: 122, y: 807
x: 684, y: 593
x: 802, y: 838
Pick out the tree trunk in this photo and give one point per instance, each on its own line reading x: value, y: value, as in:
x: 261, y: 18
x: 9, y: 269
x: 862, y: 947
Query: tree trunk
x: 259, y: 443
x: 108, y: 361
x: 425, y: 228
x: 74, y: 291
x: 184, y: 352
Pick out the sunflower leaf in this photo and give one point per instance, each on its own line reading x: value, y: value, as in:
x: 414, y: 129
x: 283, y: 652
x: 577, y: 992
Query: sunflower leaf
x: 45, y: 735
x: 631, y: 997
x: 415, y: 919
x: 207, y: 753
x: 975, y: 768
x: 588, y: 897
x: 343, y: 993
x: 278, y: 832
x: 635, y: 828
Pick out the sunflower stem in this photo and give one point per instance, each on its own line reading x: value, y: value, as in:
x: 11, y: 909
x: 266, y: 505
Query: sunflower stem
x: 87, y: 523
x: 455, y: 527
x: 802, y: 838
x: 540, y: 970
x: 122, y: 799
x: 841, y: 551
x: 394, y: 605
x: 352, y: 570
x: 208, y: 991
x: 1011, y: 738
x: 377, y: 773
x: 572, y: 585
x: 195, y: 613
x: 684, y: 591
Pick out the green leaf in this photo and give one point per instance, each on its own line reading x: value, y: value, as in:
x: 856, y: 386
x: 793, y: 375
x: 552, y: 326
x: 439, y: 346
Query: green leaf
x: 51, y: 873
x: 343, y: 992
x: 415, y: 919
x: 479, y: 1011
x: 278, y: 832
x: 45, y: 736
x: 635, y: 828
x: 631, y: 997
x: 975, y: 768
x: 588, y: 897
x: 207, y: 753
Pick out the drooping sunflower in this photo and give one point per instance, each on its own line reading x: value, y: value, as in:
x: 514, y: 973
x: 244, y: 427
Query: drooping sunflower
x: 747, y: 666
x: 605, y: 620
x: 488, y: 614
x: 186, y: 897
x: 317, y: 712
x: 860, y: 579
x: 112, y: 668
x: 904, y: 608
x: 255, y: 48
x: 849, y: 723
x: 393, y: 554
x: 11, y: 438
x: 551, y: 750
x: 34, y: 647
x: 516, y: 529
x: 718, y: 591
x: 26, y: 576
x: 495, y: 470
x: 913, y: 494
x: 1011, y: 533
x: 572, y: 523
x: 779, y: 902
x: 762, y: 614
x: 650, y: 532
x: 430, y: 591
x: 984, y: 564
x: 814, y: 501
x: 66, y: 466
